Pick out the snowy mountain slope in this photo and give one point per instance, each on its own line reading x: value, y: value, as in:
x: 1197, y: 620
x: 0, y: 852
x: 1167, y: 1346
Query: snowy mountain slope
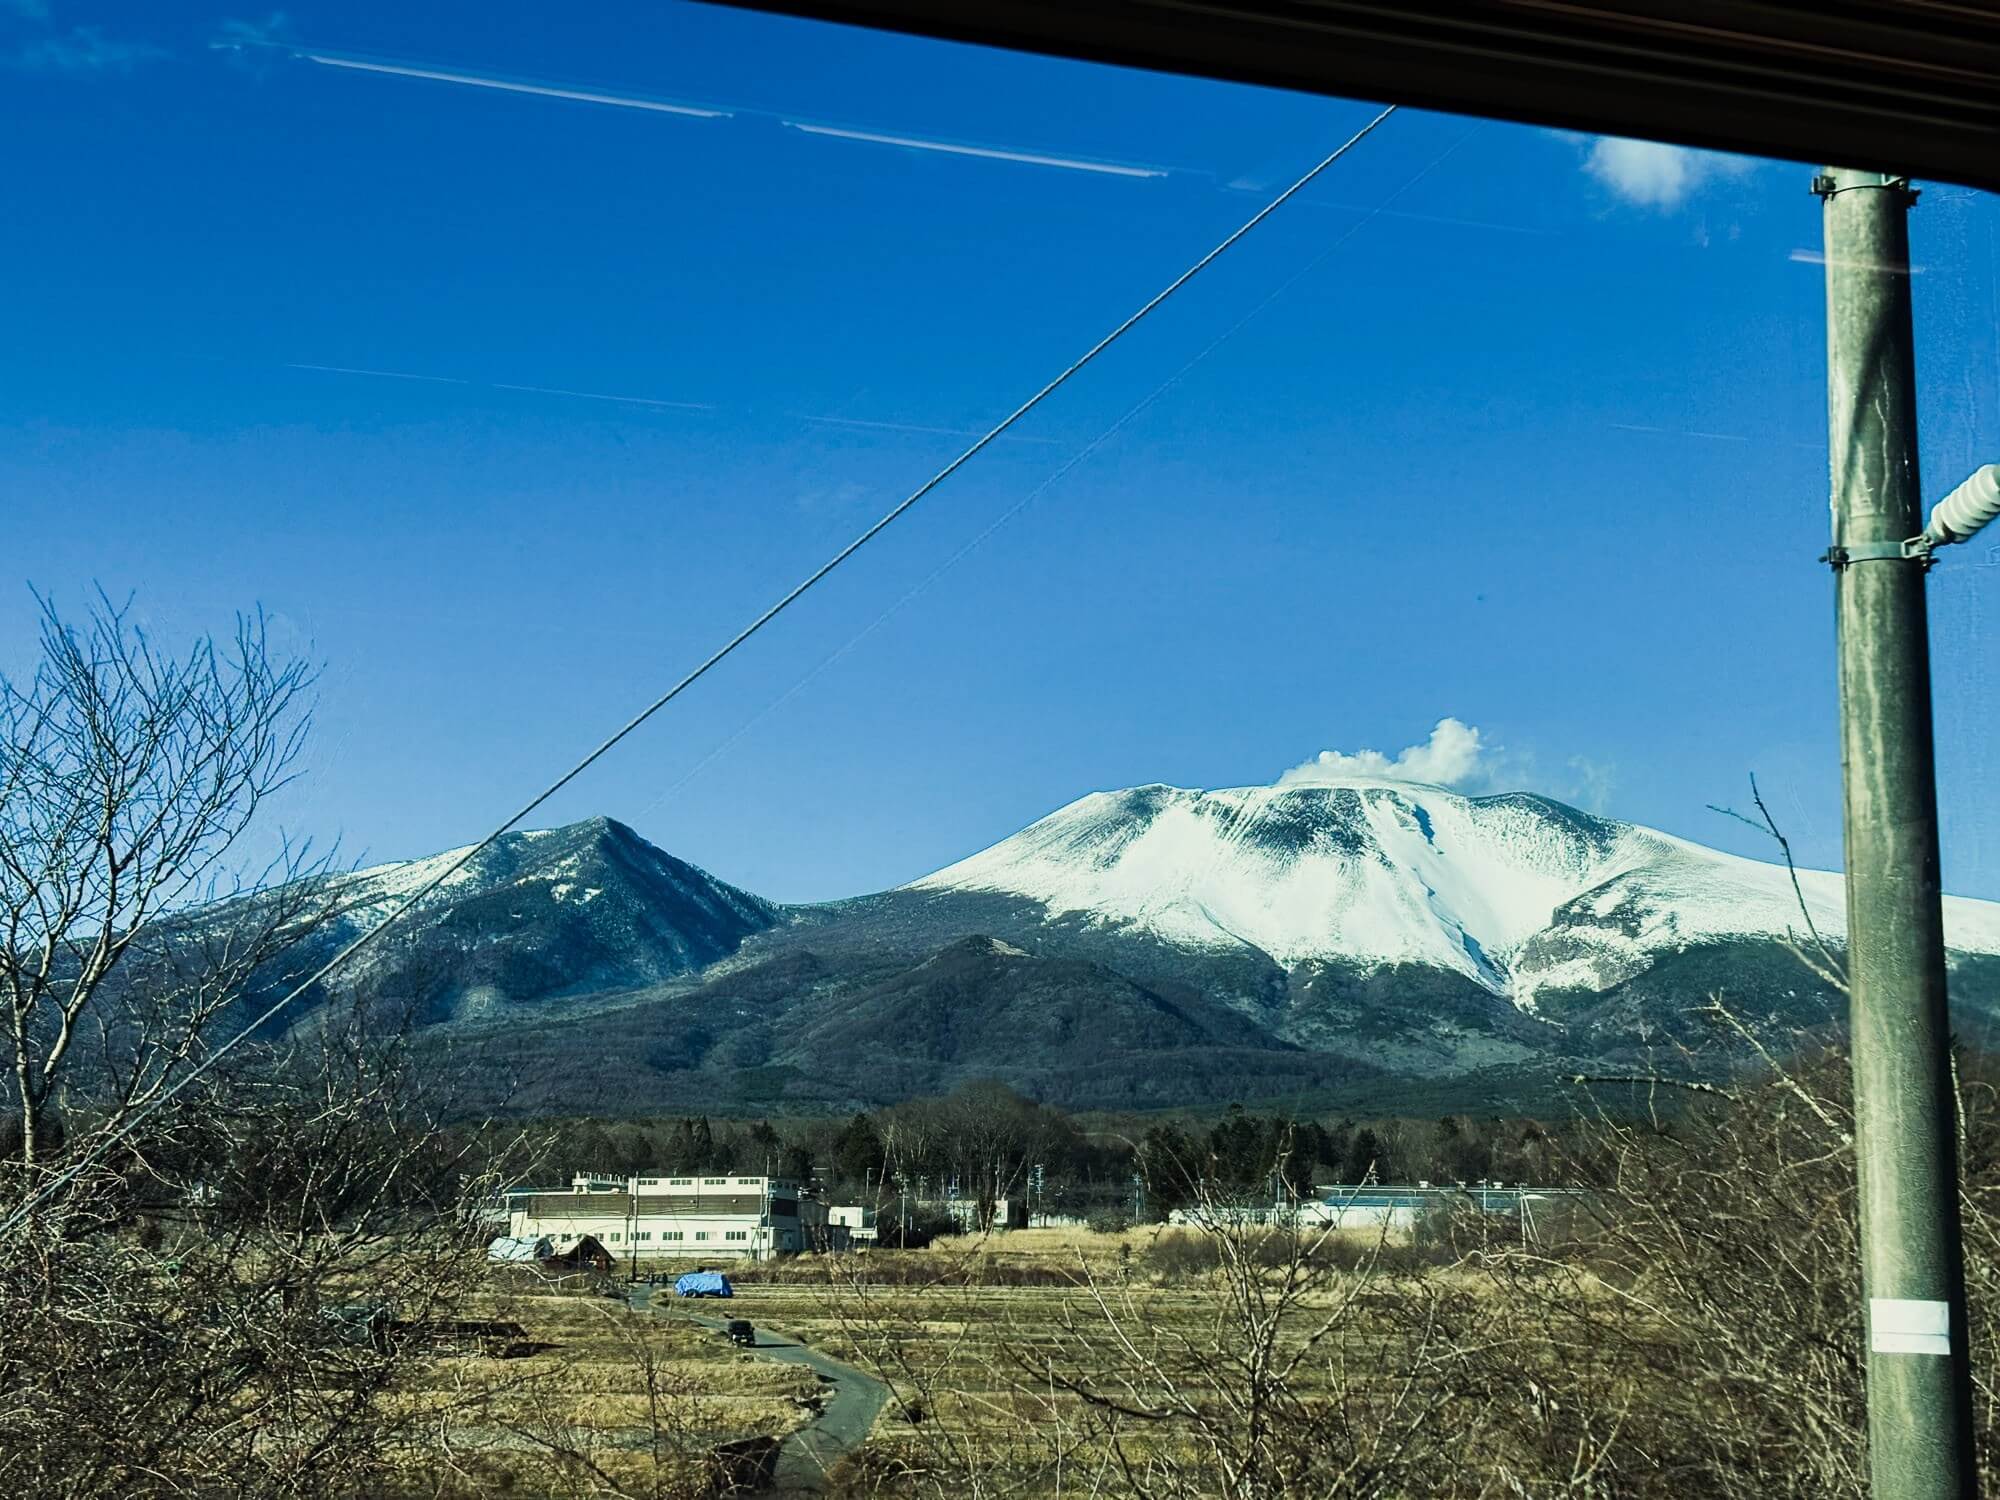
x: 1517, y: 892
x: 589, y: 906
x: 555, y: 862
x: 1138, y: 948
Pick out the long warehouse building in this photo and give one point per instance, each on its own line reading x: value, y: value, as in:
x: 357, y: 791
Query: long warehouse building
x: 658, y: 1216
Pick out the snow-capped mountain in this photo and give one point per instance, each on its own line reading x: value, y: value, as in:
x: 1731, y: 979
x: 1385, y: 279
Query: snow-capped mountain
x: 1518, y: 893
x: 550, y: 912
x: 1147, y: 948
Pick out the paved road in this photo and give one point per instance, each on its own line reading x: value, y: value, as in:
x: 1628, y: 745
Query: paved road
x: 854, y: 1399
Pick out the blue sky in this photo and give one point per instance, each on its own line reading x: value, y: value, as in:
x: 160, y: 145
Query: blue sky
x: 1504, y: 425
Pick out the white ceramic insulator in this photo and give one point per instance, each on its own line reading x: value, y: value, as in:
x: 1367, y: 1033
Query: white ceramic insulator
x: 1967, y: 508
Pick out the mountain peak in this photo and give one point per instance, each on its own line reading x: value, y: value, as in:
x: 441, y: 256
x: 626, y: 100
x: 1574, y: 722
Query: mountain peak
x: 1377, y: 871
x: 1154, y: 944
x: 586, y: 905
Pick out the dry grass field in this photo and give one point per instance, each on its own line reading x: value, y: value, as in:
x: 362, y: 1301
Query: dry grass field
x: 1003, y: 1352
x: 1701, y: 1339
x: 1048, y: 1363
x: 971, y: 1364
x: 596, y: 1399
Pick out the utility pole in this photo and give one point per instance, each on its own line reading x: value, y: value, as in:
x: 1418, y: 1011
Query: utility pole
x: 1912, y: 1267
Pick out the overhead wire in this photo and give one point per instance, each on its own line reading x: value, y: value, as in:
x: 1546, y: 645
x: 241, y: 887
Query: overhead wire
x: 1055, y: 477
x: 110, y: 1138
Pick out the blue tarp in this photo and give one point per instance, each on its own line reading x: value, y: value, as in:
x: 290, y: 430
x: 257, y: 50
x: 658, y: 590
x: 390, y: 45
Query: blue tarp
x: 703, y: 1284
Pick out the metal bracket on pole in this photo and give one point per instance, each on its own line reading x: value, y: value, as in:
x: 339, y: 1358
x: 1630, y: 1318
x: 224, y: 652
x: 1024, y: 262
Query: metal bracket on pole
x: 1826, y: 186
x: 1916, y: 549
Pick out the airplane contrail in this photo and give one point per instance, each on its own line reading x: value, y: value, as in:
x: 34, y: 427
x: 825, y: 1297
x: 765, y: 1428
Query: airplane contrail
x: 510, y: 86
x: 495, y: 385
x: 989, y: 153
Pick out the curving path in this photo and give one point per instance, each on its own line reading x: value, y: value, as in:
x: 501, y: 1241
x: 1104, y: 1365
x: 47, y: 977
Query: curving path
x: 855, y: 1398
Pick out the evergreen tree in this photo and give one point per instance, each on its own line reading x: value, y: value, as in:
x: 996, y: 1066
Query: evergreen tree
x: 1368, y: 1158
x: 631, y: 1150
x: 795, y: 1161
x: 762, y: 1150
x: 1239, y: 1148
x: 1171, y: 1166
x: 857, y: 1151
x: 683, y: 1155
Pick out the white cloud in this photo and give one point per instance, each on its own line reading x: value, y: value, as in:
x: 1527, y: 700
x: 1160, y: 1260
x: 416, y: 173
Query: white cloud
x: 83, y: 49
x: 270, y: 32
x: 1459, y: 755
x: 255, y: 45
x: 1452, y: 756
x: 1654, y: 175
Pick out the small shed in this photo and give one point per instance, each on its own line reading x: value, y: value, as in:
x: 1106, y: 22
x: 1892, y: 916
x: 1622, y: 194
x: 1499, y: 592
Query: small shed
x: 580, y: 1252
x: 522, y: 1249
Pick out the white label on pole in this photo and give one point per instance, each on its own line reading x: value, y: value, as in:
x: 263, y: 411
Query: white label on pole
x: 1908, y: 1325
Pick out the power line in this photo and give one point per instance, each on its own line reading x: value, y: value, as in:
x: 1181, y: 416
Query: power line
x: 131, y: 1122
x: 1074, y: 461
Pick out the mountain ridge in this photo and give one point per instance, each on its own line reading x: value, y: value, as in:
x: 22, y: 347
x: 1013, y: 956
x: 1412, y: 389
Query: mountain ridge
x: 1519, y: 892
x: 1147, y: 947
x: 538, y: 915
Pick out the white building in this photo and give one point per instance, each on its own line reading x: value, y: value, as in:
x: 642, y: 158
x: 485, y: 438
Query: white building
x: 853, y: 1221
x: 697, y: 1215
x: 1008, y: 1213
x: 1393, y: 1209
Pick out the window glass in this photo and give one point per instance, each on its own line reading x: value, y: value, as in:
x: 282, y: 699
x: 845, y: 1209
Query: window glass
x: 1307, y: 731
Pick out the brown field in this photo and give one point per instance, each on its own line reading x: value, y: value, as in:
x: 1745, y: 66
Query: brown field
x: 598, y: 1399
x: 961, y: 1343
x: 986, y: 1342
x: 1041, y: 1363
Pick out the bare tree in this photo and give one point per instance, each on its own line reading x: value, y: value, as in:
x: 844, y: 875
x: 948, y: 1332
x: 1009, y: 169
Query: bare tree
x: 983, y: 1135
x: 1286, y: 1378
x: 913, y: 1133
x: 128, y: 779
x: 233, y: 1258
x: 995, y: 1135
x: 227, y: 1304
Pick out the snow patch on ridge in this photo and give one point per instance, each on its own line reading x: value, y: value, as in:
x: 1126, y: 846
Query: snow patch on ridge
x: 402, y: 879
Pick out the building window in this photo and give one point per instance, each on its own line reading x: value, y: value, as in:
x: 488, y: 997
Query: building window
x: 671, y: 1234
x: 701, y: 1234
x: 680, y: 1182
x: 649, y: 1182
x: 715, y: 1182
x: 615, y: 1236
x: 644, y: 1234
x: 737, y: 1234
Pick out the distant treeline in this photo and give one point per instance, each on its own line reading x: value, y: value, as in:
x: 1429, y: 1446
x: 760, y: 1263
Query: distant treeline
x: 985, y: 1142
